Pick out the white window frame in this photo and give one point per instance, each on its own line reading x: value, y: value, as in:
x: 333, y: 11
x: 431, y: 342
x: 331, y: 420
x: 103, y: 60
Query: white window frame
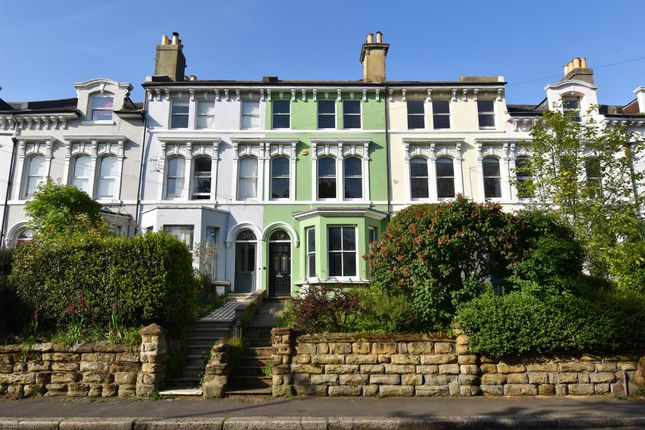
x: 255, y: 178
x: 345, y: 177
x: 274, y: 114
x: 100, y: 109
x: 339, y: 149
x: 310, y: 251
x: 173, y: 103
x: 25, y: 193
x: 254, y: 117
x: 194, y: 178
x: 490, y: 114
x: 577, y: 111
x: 167, y: 177
x: 359, y: 115
x: 422, y: 114
x: 88, y: 179
x: 199, y: 115
x: 431, y: 149
x: 168, y: 227
x: 441, y: 114
x: 499, y: 178
x: 100, y: 177
x: 427, y: 177
x: 318, y: 177
x: 342, y: 251
x: 454, y: 187
x: 272, y: 177
x: 318, y: 114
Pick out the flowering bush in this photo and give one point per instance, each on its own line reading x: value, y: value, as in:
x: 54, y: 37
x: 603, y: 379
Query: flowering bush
x: 325, y: 309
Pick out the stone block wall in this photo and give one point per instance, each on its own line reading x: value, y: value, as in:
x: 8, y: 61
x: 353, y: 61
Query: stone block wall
x: 216, y: 371
x: 371, y: 365
x: 95, y: 369
x: 366, y: 364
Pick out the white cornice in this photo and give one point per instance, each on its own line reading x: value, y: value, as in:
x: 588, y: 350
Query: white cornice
x: 243, y: 140
x: 570, y: 82
x: 433, y: 139
x: 332, y: 140
x: 340, y: 212
x: 87, y: 137
x: 176, y: 138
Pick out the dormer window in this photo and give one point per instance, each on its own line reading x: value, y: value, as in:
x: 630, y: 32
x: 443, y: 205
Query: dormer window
x: 572, y: 104
x: 101, y: 108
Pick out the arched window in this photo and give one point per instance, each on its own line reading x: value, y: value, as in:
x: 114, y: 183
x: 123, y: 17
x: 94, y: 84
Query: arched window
x: 593, y: 176
x: 81, y: 175
x: 248, y: 178
x: 101, y: 107
x: 492, y: 178
x: 36, y: 172
x: 24, y: 236
x: 202, y: 178
x: 107, y: 177
x: 280, y: 178
x: 353, y: 178
x: 522, y: 178
x: 445, y: 178
x: 327, y: 178
x: 175, y: 177
x: 419, y: 178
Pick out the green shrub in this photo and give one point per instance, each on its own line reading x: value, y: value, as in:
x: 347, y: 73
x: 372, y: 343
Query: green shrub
x: 135, y: 280
x: 627, y: 266
x: 325, y: 309
x: 382, y: 312
x: 440, y: 255
x: 523, y: 323
x: 13, y: 312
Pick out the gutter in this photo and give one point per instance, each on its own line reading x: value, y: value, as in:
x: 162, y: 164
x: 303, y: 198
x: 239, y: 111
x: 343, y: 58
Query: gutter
x: 137, y: 208
x: 6, y: 197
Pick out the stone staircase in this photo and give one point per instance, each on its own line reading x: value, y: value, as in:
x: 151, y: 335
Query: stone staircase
x: 201, y: 335
x: 253, y: 374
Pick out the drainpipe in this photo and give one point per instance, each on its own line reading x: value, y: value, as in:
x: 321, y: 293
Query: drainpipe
x: 387, y: 154
x: 142, y: 163
x: 6, y: 197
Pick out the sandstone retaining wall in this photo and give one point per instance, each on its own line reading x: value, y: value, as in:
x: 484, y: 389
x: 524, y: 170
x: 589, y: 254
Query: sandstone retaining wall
x: 364, y: 364
x: 95, y: 369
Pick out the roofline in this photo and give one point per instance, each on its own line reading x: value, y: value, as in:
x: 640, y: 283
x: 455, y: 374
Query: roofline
x: 318, y: 84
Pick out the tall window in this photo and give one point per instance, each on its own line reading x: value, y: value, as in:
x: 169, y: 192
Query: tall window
x: 486, y: 110
x: 250, y: 114
x: 211, y: 242
x: 572, y: 104
x: 181, y: 232
x: 280, y: 178
x: 310, y: 235
x: 445, y: 178
x: 101, y: 108
x: 205, y: 114
x: 372, y: 234
x: 202, y: 178
x: 492, y: 178
x: 107, y: 177
x: 81, y: 175
x: 416, y: 114
x: 419, y: 178
x: 441, y: 114
x: 353, y: 178
x: 179, y: 114
x: 327, y: 178
x: 342, y: 251
x: 593, y: 177
x: 522, y: 178
x: 326, y: 114
x: 351, y: 114
x: 175, y: 177
x: 36, y: 172
x: 281, y: 113
x: 248, y: 178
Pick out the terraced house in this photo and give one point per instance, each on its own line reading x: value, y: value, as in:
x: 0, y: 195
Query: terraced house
x: 289, y: 180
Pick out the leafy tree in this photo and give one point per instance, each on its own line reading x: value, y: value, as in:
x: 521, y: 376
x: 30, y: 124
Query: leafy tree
x: 584, y: 172
x: 58, y: 209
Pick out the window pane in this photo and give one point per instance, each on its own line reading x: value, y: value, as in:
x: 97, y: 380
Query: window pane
x: 176, y: 166
x: 280, y: 166
x: 250, y: 122
x: 311, y: 263
x: 419, y: 167
x: 181, y: 232
x: 441, y: 121
x: 247, y: 189
x: 486, y: 121
x: 327, y: 188
x: 353, y: 188
x: 327, y: 166
x: 249, y: 167
x: 415, y: 107
x: 280, y: 188
x: 444, y: 167
x: 416, y: 121
x: 485, y: 106
x: 106, y: 188
x: 351, y: 106
x: 203, y: 186
x: 349, y: 264
x: 250, y: 107
x: 335, y: 236
x: 101, y: 115
x: 491, y: 166
x: 179, y: 121
x: 352, y: 121
x: 440, y: 106
x: 445, y: 188
x: 326, y: 121
x: 280, y: 121
x: 245, y: 235
x: 335, y: 264
x: 349, y: 238
x: 109, y: 166
x: 203, y: 164
x: 82, y: 166
x: 205, y: 108
x: 311, y: 239
x: 419, y: 188
x: 281, y: 106
x: 327, y: 106
x: 179, y: 108
x: 102, y: 102
x: 352, y: 166
x: 492, y: 187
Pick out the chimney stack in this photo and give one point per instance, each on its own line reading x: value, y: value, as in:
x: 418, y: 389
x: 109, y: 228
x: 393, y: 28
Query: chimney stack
x: 373, y: 55
x: 577, y: 69
x: 170, y: 60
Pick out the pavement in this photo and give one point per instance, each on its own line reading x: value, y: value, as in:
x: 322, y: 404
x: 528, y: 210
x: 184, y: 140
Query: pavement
x: 324, y: 413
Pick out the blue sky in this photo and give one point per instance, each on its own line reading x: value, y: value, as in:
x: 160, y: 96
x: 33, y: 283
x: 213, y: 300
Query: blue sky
x: 45, y: 46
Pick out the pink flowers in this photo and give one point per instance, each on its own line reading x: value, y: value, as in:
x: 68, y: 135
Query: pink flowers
x: 81, y: 302
x: 71, y: 310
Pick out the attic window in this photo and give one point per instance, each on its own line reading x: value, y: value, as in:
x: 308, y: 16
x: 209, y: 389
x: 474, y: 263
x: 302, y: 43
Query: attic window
x: 101, y: 108
x: 572, y: 104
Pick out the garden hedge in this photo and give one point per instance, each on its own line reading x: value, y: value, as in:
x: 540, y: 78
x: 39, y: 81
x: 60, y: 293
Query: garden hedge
x: 138, y: 280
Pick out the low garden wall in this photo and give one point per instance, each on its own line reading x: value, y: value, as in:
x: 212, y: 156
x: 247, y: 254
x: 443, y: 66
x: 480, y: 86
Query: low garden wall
x: 365, y: 364
x: 95, y: 369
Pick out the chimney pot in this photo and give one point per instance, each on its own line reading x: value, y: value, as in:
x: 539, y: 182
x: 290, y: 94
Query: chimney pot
x: 164, y: 40
x: 576, y: 63
x: 175, y: 38
x: 370, y: 38
x: 379, y: 37
x: 583, y: 62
